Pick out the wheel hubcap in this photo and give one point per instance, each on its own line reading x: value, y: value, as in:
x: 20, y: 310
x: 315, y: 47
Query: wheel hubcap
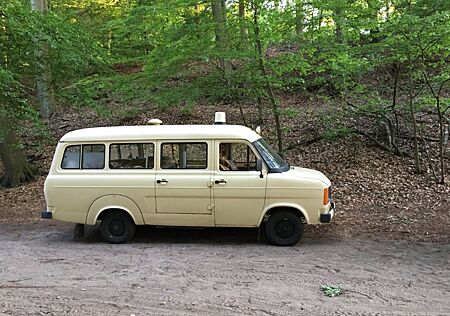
x: 284, y: 228
x: 117, y: 228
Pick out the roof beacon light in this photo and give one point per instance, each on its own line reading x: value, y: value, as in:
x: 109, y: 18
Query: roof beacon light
x: 220, y: 118
x: 154, y: 122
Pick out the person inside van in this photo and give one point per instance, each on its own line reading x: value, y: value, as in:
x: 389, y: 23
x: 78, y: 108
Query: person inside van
x: 225, y: 163
x: 168, y: 163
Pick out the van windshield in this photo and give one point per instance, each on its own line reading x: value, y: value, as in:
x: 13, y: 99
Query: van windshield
x: 270, y: 156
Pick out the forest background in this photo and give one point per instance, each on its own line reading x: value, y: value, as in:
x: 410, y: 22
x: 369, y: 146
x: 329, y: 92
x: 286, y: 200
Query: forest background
x: 358, y: 89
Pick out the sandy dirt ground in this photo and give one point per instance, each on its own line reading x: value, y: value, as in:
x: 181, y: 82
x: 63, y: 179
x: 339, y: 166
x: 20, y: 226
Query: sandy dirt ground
x: 43, y: 271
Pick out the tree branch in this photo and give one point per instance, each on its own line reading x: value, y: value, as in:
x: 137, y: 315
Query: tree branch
x: 397, y: 151
x: 304, y: 143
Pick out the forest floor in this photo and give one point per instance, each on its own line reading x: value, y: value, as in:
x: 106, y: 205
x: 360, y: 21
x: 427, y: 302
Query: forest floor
x: 388, y: 246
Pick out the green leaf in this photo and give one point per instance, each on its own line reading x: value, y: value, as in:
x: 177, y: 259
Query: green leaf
x: 331, y: 291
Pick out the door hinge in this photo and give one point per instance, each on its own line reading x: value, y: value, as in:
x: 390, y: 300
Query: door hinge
x: 210, y: 207
x: 210, y: 184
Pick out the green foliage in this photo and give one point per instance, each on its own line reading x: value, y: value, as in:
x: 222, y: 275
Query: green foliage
x: 14, y: 106
x: 332, y: 133
x: 331, y: 290
x: 291, y: 112
x: 71, y: 50
x: 185, y: 95
x: 88, y: 92
x: 106, y: 93
x: 346, y: 51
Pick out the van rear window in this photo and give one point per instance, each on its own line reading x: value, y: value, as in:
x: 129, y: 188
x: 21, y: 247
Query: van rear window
x: 71, y: 159
x: 93, y: 157
x: 131, y: 156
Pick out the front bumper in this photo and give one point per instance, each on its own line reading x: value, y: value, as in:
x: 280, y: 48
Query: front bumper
x: 46, y: 214
x: 327, y: 217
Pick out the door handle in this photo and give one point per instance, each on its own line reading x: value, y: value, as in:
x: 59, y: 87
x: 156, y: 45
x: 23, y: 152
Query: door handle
x: 221, y: 181
x: 162, y: 181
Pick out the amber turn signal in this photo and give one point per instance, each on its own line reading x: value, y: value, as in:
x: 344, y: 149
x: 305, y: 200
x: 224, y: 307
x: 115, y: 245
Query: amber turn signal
x: 325, y: 196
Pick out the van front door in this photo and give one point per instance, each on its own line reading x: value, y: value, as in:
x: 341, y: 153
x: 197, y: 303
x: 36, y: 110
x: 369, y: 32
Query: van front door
x: 183, y: 180
x: 239, y: 191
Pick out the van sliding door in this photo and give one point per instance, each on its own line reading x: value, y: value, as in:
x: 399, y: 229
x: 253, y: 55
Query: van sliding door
x: 183, y: 179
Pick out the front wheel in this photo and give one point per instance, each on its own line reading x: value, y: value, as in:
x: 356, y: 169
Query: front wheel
x: 284, y: 229
x: 117, y: 227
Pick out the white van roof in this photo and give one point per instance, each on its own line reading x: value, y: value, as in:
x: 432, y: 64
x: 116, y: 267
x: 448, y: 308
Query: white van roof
x: 169, y: 132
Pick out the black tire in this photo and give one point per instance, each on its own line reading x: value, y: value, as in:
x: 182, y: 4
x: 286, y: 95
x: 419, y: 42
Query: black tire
x: 284, y: 229
x: 117, y: 227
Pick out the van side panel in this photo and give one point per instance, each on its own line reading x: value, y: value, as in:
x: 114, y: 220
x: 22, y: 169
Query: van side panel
x: 114, y: 202
x: 68, y: 197
x: 74, y: 192
x: 303, y: 194
x: 71, y: 193
x: 185, y: 220
x: 284, y: 205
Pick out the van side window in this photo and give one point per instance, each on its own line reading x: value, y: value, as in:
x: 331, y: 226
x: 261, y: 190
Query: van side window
x: 71, y: 158
x: 93, y: 156
x: 184, y: 155
x: 131, y: 156
x: 236, y: 157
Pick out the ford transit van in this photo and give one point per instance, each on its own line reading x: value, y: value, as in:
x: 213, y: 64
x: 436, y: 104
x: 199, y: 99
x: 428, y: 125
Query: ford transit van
x: 182, y: 175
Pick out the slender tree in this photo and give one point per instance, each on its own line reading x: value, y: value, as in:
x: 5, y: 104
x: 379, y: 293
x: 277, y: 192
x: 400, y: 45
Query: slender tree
x: 339, y: 19
x: 299, y: 18
x: 220, y: 21
x: 262, y: 67
x: 44, y: 86
x: 242, y: 23
x: 413, y: 120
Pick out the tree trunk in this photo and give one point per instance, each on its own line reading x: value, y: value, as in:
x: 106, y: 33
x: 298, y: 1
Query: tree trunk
x: 319, y: 19
x: 394, y: 99
x: 299, y: 18
x: 219, y: 15
x: 441, y: 139
x: 242, y: 25
x: 339, y: 19
x: 44, y: 88
x: 5, y: 55
x: 260, y: 105
x: 197, y: 19
x: 16, y: 168
x: 413, y: 122
x: 275, y: 106
x: 440, y: 112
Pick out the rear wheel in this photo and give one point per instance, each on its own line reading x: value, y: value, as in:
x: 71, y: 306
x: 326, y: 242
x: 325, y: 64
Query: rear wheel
x: 284, y: 229
x: 117, y: 227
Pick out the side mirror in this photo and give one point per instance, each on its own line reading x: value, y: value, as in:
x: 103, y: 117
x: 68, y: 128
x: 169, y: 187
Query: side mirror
x: 259, y: 167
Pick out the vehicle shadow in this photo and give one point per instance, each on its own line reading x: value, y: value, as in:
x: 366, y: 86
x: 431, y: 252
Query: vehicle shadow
x: 216, y: 235
x: 177, y: 235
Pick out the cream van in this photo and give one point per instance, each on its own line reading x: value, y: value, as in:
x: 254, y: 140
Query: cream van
x: 182, y: 175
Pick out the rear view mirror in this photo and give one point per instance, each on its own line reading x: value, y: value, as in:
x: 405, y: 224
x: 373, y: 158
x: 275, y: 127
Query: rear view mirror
x: 258, y: 164
x: 259, y: 167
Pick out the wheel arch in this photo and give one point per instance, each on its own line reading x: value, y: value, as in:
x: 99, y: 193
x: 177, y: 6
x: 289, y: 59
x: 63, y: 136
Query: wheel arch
x: 114, y: 202
x: 283, y: 207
